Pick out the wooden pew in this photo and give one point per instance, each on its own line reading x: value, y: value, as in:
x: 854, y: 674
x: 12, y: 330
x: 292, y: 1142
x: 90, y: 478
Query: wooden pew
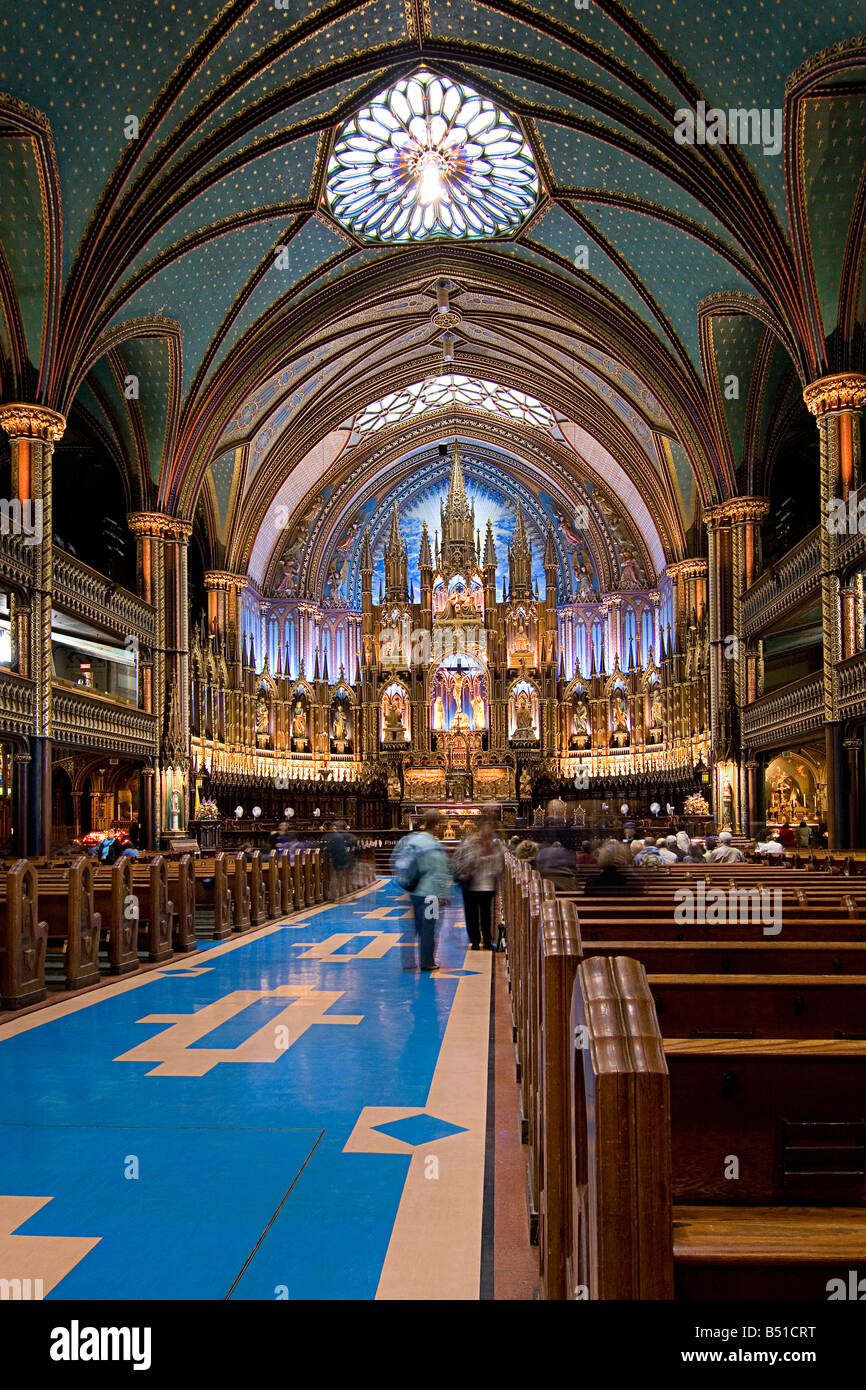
x: 258, y: 895
x: 236, y: 868
x: 23, y: 938
x: 620, y: 1218
x: 181, y: 885
x: 119, y: 907
x: 213, y: 900
x: 753, y: 1148
x: 760, y: 1006
x: 156, y: 909
x: 66, y: 905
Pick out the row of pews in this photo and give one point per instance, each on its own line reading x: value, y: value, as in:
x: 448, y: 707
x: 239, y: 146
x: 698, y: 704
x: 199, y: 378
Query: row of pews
x: 67, y: 922
x: 693, y: 1095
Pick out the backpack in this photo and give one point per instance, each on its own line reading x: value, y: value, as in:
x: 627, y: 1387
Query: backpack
x: 406, y: 862
x: 465, y: 862
x: 108, y: 851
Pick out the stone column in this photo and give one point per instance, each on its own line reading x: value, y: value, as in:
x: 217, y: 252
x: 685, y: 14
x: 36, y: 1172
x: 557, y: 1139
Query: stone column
x: 835, y: 401
x: 33, y: 431
x: 162, y: 572
x: 853, y: 748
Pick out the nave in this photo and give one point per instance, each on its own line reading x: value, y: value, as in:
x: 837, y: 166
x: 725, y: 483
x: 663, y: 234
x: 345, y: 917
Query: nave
x: 261, y: 1121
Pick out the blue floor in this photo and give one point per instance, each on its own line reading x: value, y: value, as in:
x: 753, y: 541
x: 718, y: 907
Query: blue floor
x: 233, y: 1183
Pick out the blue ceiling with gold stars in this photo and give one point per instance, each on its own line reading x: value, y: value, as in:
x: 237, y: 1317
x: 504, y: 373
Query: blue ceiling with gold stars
x: 163, y: 214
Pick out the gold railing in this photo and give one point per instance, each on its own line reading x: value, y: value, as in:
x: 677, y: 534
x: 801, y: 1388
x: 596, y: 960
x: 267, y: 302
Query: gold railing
x: 16, y: 702
x: 89, y: 595
x: 88, y: 719
x: 795, y: 710
x: 852, y: 685
x: 781, y: 587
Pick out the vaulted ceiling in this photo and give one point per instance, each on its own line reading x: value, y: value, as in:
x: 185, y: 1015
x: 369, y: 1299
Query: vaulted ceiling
x: 163, y: 218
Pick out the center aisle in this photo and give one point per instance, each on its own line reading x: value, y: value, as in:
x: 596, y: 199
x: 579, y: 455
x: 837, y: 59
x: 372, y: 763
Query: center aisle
x: 292, y: 1114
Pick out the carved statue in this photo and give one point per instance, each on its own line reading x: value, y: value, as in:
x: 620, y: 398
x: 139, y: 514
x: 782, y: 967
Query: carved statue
x: 580, y: 718
x: 521, y: 636
x: 438, y: 713
x: 478, y: 716
x: 299, y: 719
x: 393, y: 716
x: 657, y: 719
x: 525, y: 784
x: 619, y: 709
x: 262, y: 715
x: 523, y: 711
x: 340, y: 726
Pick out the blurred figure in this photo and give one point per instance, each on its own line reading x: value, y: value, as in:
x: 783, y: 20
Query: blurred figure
x: 340, y: 846
x: 527, y: 849
x: 665, y: 853
x: 802, y: 834
x: 787, y: 836
x: 585, y: 856
x: 421, y: 869
x: 554, y: 856
x: 614, y: 860
x: 481, y: 872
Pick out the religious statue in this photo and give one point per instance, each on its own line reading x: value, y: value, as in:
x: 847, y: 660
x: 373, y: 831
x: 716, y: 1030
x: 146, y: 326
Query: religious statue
x: 438, y: 713
x: 619, y: 727
x: 299, y: 719
x: 341, y: 731
x: 395, y: 791
x: 460, y: 720
x: 393, y: 718
x: 478, y: 717
x: 262, y: 716
x: 727, y: 801
x: 525, y: 785
x: 521, y: 637
x: 580, y: 719
x: 174, y: 810
x: 523, y: 712
x: 656, y: 717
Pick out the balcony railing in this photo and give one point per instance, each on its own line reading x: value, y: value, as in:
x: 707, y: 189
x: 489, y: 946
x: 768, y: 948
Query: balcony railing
x: 88, y: 719
x: 16, y: 702
x: 794, y: 710
x: 852, y: 685
x: 786, y: 584
x: 91, y: 596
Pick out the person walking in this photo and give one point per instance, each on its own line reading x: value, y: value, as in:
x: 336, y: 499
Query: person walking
x: 479, y: 891
x: 421, y: 869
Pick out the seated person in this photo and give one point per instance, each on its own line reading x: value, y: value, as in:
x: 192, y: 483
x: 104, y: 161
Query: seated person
x: 802, y: 834
x: 725, y: 852
x: 787, y: 836
x: 667, y: 849
x: 555, y: 858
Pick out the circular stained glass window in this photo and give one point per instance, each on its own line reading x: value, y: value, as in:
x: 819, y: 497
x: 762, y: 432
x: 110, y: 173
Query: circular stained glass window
x: 429, y: 159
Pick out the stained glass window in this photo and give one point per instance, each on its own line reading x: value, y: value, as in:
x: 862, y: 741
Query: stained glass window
x: 429, y: 159
x: 438, y: 392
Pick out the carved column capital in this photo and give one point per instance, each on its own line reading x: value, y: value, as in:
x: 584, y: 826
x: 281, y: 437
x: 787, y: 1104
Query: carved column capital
x: 224, y: 581
x: 842, y: 391
x: 22, y: 421
x: 736, y: 510
x: 159, y: 526
x: 687, y: 569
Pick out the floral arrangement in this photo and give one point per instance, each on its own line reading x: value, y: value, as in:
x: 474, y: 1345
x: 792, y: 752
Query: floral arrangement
x: 696, y: 805
x: 208, y: 810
